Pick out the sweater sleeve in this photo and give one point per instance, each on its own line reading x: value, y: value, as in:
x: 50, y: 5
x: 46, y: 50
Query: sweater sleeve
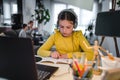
x: 44, y: 50
x: 88, y: 51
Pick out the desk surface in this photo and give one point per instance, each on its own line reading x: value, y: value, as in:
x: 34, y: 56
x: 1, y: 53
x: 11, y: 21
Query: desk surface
x: 65, y: 72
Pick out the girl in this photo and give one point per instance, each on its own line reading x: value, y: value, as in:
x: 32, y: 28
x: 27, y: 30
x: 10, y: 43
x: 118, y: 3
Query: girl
x: 66, y: 41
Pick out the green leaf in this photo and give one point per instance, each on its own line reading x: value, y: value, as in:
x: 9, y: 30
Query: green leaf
x: 41, y: 14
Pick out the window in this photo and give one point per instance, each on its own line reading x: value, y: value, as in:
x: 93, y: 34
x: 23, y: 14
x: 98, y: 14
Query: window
x: 6, y: 10
x: 84, y: 16
x: 57, y: 8
x: 10, y: 7
x: 14, y: 8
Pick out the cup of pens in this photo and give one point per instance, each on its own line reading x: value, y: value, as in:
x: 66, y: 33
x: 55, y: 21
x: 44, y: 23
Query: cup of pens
x: 80, y: 70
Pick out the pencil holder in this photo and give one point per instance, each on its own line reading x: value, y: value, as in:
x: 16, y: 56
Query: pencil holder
x: 80, y: 71
x: 87, y: 75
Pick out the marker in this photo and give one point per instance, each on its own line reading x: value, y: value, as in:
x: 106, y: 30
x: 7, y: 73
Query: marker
x: 79, y: 71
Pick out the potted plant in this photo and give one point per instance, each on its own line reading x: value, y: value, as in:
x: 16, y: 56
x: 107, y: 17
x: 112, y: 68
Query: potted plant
x: 41, y: 14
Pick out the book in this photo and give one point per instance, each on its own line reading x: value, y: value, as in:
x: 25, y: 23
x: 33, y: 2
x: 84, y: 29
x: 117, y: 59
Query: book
x: 56, y: 61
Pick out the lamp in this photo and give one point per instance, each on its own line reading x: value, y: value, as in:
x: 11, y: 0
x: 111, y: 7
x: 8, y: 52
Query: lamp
x: 107, y: 24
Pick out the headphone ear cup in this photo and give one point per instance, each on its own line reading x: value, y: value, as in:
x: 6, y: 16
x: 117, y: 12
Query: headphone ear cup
x: 76, y: 23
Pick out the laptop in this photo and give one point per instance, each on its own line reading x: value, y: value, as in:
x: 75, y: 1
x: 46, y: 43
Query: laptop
x: 17, y: 60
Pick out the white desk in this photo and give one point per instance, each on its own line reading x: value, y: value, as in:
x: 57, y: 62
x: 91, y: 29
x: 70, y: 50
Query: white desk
x: 65, y: 72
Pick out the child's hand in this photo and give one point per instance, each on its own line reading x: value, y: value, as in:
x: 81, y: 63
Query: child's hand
x: 55, y: 54
x: 64, y: 56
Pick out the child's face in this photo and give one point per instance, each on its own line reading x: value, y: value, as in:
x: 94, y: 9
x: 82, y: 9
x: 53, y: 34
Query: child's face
x: 66, y: 27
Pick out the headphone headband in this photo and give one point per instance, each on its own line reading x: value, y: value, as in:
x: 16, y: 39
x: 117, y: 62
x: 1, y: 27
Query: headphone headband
x: 70, y: 11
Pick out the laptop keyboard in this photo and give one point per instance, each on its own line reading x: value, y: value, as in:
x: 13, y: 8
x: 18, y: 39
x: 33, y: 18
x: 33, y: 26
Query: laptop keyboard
x: 44, y: 72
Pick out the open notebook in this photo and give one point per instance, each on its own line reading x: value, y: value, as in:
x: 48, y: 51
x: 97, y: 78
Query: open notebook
x: 17, y: 61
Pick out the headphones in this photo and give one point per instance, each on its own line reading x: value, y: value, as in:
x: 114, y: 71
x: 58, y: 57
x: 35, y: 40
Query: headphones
x: 66, y: 12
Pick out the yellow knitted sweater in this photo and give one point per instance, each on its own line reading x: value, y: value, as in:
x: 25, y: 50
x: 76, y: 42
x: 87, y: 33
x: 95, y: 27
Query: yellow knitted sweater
x: 67, y: 45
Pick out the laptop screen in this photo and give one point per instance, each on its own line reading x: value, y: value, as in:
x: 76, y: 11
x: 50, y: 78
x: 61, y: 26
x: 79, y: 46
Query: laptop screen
x: 17, y: 59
